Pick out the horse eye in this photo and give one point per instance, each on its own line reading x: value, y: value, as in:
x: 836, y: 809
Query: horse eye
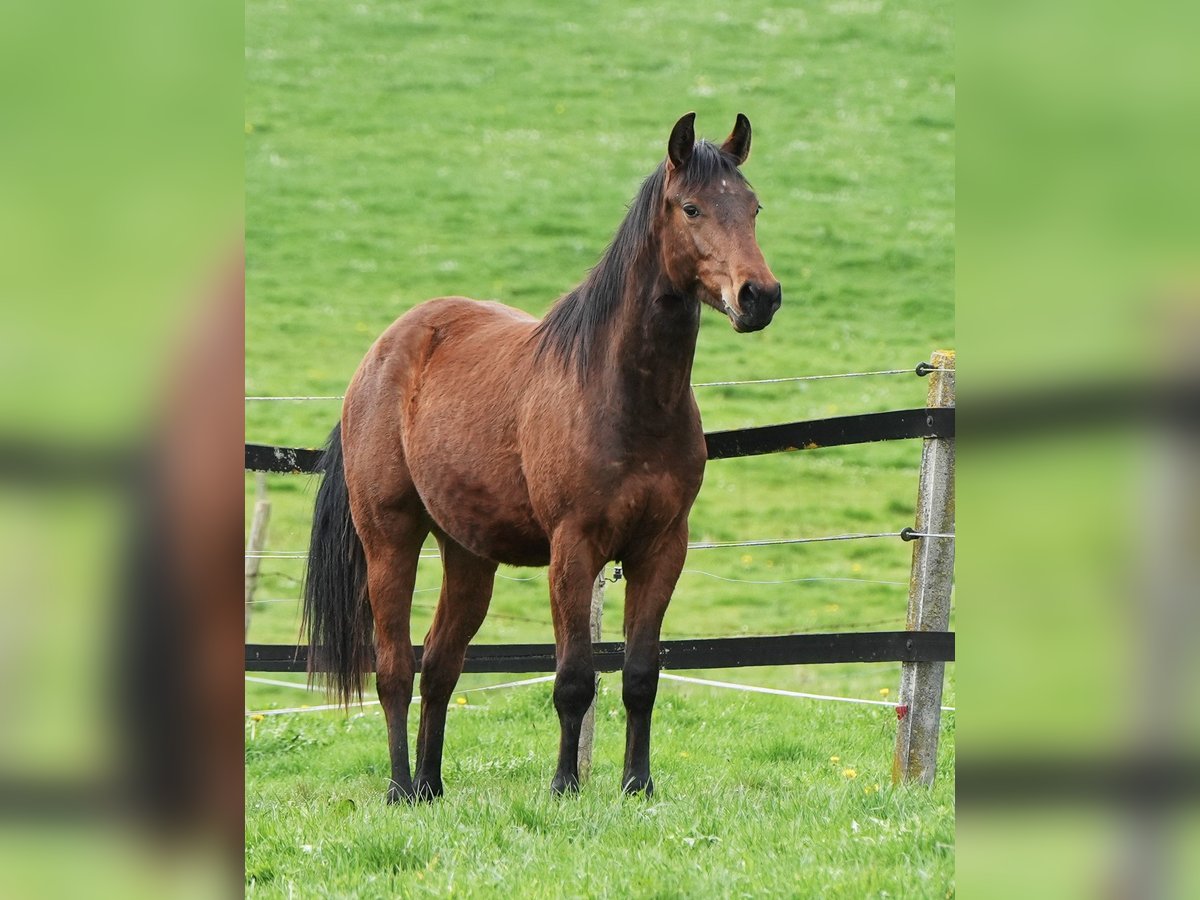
x: 758, y: 209
x: 690, y: 210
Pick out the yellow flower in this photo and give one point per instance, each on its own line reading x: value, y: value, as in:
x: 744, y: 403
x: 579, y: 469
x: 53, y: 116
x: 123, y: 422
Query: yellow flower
x: 258, y: 717
x: 747, y: 558
x: 870, y: 789
x: 883, y: 692
x: 684, y: 754
x: 835, y: 759
x: 850, y: 773
x: 461, y: 701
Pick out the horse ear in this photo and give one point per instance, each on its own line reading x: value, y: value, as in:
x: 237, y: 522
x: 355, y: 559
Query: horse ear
x: 683, y: 139
x: 737, y: 144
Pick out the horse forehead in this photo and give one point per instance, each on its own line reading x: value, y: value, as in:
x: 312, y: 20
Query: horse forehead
x: 729, y: 201
x: 728, y: 190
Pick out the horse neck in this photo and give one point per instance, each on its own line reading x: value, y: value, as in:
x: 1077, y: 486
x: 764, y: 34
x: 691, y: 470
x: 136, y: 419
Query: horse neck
x: 648, y: 366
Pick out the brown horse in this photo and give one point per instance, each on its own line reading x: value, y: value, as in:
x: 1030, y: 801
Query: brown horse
x: 570, y: 442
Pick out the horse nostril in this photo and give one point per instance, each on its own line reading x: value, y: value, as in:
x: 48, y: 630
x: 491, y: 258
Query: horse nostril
x: 755, y: 298
x: 747, y: 296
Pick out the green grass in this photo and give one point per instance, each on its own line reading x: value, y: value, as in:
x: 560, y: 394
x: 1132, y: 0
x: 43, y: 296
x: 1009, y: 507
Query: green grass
x: 807, y: 812
x: 396, y: 152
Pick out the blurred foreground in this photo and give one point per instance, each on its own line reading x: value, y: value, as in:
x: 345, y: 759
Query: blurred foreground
x: 1079, y: 495
x: 120, y: 426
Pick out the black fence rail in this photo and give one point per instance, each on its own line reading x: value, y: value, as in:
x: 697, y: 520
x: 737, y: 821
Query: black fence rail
x: 894, y: 425
x: 703, y: 653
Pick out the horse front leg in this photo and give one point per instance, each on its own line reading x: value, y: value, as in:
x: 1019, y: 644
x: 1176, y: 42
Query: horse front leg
x: 650, y: 581
x: 574, y: 565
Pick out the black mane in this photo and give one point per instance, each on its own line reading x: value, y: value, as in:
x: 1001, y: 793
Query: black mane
x: 575, y: 324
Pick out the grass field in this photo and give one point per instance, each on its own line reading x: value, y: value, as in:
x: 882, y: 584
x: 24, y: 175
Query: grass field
x: 400, y: 152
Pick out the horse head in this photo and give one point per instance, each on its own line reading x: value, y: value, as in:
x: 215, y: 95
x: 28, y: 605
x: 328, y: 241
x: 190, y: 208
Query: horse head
x: 709, y: 248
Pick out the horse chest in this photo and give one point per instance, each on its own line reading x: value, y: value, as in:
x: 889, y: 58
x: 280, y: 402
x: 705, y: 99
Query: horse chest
x: 648, y: 496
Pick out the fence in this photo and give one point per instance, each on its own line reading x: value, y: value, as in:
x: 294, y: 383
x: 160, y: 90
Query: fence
x: 924, y: 647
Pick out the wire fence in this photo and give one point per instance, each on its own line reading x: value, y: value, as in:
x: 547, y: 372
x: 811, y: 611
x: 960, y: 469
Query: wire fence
x: 546, y: 621
x: 682, y: 679
x: 921, y: 369
x: 907, y: 534
x: 822, y: 579
x: 780, y: 692
x: 365, y: 702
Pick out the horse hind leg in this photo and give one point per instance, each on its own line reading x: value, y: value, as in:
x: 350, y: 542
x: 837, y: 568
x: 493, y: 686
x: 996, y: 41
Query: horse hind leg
x: 393, y: 548
x: 467, y: 583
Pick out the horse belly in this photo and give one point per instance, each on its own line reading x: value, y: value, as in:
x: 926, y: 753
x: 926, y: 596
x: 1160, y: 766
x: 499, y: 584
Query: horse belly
x: 478, y: 520
x: 479, y: 499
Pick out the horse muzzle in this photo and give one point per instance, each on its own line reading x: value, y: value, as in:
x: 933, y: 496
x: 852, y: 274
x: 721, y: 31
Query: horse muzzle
x: 756, y: 306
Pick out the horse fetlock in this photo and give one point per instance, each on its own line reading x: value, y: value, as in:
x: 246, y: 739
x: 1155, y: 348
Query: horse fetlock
x: 638, y: 784
x: 564, y: 784
x: 428, y: 789
x: 400, y: 793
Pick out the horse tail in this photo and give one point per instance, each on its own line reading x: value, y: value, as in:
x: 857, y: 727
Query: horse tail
x: 337, y: 614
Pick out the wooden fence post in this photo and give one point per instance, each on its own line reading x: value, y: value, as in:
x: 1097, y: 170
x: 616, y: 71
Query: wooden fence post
x: 258, y: 538
x: 587, y: 731
x: 920, y: 701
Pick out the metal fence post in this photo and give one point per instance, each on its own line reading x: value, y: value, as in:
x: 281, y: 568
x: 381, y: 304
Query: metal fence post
x: 920, y: 701
x: 587, y: 731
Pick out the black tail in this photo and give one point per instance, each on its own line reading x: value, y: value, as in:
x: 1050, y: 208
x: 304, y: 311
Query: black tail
x: 337, y: 615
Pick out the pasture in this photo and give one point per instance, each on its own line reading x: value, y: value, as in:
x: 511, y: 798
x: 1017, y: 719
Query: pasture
x: 396, y: 153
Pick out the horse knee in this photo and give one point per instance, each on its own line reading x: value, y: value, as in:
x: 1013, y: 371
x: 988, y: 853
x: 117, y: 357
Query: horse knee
x: 639, y: 686
x: 574, y: 689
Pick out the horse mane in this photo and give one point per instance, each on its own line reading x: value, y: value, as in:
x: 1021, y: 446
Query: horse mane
x: 577, y: 322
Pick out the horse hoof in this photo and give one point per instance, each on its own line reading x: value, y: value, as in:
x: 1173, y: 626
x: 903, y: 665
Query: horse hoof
x: 563, y: 785
x: 428, y: 791
x: 398, y: 794
x: 637, y: 785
